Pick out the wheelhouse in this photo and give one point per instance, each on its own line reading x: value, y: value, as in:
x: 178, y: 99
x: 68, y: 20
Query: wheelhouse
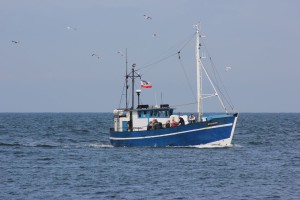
x: 141, y: 117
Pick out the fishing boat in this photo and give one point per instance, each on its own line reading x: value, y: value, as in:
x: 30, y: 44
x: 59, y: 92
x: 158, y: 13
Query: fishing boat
x: 158, y: 125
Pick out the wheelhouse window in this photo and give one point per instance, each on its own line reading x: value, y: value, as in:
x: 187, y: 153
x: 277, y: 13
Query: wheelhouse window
x: 155, y: 113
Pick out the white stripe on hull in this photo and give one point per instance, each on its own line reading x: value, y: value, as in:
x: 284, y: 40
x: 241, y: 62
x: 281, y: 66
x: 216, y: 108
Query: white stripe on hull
x: 169, y: 134
x: 232, y: 130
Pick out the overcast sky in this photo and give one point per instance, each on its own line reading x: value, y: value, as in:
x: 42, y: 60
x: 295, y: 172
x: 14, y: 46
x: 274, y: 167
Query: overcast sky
x: 51, y: 67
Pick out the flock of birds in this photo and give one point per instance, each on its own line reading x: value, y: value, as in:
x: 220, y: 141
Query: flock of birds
x: 149, y: 18
x: 119, y: 52
x: 94, y: 54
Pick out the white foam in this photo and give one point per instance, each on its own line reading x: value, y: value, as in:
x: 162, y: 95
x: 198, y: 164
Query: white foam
x: 204, y: 146
x: 100, y: 145
x: 237, y: 145
x: 207, y: 146
x: 217, y: 144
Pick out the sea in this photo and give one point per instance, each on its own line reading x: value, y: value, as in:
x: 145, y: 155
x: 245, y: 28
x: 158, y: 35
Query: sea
x: 69, y: 156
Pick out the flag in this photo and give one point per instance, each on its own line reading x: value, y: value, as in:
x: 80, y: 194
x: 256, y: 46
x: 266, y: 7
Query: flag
x: 145, y: 84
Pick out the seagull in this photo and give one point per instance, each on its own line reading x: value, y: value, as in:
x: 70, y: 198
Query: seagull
x: 16, y: 42
x: 227, y: 69
x: 120, y: 52
x: 97, y: 56
x: 72, y: 28
x: 147, y: 17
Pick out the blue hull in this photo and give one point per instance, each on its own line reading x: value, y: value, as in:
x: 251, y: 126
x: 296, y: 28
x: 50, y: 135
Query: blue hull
x: 217, y: 128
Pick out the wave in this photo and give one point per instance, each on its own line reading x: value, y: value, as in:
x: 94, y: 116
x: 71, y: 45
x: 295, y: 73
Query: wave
x: 6, y: 144
x: 212, y: 146
x: 96, y: 145
x: 27, y: 145
x: 237, y: 145
x: 45, y: 145
x: 100, y: 145
x: 209, y: 146
x: 256, y: 142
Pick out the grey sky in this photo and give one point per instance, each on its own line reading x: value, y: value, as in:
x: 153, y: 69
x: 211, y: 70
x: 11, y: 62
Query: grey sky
x: 51, y: 69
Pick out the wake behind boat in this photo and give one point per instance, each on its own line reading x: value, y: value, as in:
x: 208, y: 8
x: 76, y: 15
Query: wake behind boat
x: 158, y: 126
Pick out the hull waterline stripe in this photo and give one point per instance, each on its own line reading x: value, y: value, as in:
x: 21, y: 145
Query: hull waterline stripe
x: 169, y: 134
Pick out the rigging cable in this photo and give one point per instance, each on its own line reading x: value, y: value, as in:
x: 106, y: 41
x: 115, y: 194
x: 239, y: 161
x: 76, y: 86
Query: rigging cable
x: 158, y: 61
x: 178, y: 53
x: 187, y: 104
x: 122, y: 94
x: 217, y: 76
x: 170, y: 55
x: 187, y: 78
x: 192, y: 37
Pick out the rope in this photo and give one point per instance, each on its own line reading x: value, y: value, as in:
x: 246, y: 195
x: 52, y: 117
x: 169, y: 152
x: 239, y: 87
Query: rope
x: 218, y: 77
x: 191, y: 37
x: 187, y: 104
x: 170, y: 55
x: 122, y: 94
x: 158, y: 61
x: 187, y: 79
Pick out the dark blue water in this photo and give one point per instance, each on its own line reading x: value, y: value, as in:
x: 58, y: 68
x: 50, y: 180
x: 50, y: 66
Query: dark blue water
x: 68, y: 156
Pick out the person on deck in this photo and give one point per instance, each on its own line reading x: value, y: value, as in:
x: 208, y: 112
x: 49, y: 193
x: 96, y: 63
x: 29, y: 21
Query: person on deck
x: 153, y: 124
x: 181, y: 121
x: 192, y: 119
x: 174, y: 123
x: 168, y: 124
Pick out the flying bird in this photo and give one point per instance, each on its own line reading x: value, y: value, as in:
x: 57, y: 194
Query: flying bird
x: 97, y: 56
x: 121, y: 53
x: 227, y: 69
x: 71, y: 28
x: 154, y: 35
x: 16, y: 42
x: 147, y: 17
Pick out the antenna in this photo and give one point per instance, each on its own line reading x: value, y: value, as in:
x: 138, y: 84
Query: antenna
x: 155, y: 98
x: 126, y: 61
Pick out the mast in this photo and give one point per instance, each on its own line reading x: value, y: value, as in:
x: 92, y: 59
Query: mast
x: 132, y: 87
x: 198, y: 62
x: 126, y: 79
x: 134, y: 74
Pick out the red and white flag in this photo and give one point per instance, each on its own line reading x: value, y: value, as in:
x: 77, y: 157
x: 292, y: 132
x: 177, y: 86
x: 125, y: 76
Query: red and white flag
x: 145, y: 84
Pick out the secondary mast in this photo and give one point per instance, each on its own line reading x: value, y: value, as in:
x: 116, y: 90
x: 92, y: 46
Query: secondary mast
x: 133, y: 75
x: 198, y: 62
